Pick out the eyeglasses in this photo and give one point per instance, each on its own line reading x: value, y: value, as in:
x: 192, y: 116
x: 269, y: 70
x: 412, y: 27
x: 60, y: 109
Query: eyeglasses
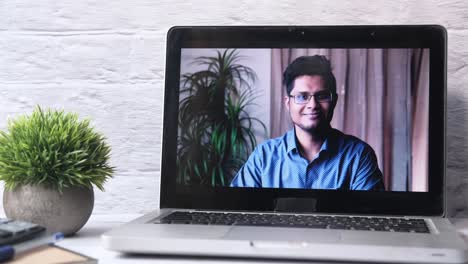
x: 320, y: 97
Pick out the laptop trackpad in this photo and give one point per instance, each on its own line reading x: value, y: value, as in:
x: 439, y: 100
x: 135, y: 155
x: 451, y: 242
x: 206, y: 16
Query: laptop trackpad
x: 282, y: 234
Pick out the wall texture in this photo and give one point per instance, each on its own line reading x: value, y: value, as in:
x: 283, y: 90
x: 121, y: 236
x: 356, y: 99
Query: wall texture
x: 105, y: 60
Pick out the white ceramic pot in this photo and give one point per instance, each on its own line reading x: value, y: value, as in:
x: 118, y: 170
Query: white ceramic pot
x: 65, y: 212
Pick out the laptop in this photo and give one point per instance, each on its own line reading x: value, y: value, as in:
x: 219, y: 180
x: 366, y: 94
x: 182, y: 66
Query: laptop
x: 302, y: 143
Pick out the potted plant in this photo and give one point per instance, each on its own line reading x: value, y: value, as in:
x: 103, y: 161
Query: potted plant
x: 216, y: 131
x: 49, y: 162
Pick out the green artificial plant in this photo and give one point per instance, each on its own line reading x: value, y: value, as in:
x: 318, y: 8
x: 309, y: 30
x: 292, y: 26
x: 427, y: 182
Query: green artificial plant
x: 216, y: 132
x: 55, y: 149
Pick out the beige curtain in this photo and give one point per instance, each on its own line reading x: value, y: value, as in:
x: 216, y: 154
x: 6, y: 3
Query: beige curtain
x: 420, y: 85
x: 382, y: 98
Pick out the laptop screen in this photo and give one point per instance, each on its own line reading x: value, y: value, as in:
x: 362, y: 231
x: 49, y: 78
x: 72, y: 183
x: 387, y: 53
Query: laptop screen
x: 307, y: 118
x: 351, y: 117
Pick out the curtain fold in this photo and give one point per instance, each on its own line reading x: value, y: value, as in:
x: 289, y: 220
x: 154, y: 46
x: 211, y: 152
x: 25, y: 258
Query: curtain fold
x: 420, y: 133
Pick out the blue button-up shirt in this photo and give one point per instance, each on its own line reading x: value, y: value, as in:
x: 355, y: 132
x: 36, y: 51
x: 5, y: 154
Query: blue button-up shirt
x: 343, y: 162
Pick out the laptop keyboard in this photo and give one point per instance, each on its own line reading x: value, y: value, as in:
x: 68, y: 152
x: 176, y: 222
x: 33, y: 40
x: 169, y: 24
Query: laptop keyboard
x: 385, y: 224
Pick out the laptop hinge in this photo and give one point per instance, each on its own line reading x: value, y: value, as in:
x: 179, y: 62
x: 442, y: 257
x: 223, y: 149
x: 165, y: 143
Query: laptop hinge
x: 295, y: 205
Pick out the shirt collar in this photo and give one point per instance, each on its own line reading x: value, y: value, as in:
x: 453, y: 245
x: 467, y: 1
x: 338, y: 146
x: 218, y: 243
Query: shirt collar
x: 291, y: 142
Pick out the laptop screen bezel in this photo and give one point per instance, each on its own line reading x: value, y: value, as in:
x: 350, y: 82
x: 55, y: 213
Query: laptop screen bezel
x: 432, y: 37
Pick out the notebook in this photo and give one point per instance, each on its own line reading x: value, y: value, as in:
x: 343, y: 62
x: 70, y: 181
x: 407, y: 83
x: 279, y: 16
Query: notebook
x: 52, y: 254
x: 302, y: 142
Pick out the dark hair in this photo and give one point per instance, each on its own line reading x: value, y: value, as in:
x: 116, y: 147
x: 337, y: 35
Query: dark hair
x: 309, y: 65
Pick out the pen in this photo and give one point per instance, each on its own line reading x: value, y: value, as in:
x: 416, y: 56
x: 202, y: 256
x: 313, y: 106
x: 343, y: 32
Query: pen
x: 8, y: 252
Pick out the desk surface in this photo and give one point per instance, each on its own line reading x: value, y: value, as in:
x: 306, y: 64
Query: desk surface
x: 87, y: 241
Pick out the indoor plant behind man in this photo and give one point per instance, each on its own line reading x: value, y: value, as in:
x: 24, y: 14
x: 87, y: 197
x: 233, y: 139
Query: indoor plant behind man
x: 49, y: 162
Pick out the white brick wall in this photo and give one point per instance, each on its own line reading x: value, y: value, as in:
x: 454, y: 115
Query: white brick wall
x: 105, y: 60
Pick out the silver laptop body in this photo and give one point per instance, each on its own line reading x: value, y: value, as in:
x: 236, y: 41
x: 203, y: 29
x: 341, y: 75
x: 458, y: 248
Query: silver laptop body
x: 442, y: 244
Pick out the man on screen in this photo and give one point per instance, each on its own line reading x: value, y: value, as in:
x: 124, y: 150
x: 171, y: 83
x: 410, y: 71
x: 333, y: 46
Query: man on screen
x: 312, y: 155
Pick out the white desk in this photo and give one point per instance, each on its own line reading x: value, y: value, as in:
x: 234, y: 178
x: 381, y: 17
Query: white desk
x: 87, y: 241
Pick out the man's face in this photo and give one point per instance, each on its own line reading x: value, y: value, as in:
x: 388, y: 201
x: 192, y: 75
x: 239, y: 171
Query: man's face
x: 313, y: 115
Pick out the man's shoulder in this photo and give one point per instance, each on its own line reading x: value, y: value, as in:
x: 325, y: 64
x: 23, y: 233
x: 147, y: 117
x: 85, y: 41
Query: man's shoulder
x: 350, y: 141
x: 274, y: 144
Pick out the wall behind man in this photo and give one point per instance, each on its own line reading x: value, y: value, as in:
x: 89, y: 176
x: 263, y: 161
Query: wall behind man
x: 105, y: 60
